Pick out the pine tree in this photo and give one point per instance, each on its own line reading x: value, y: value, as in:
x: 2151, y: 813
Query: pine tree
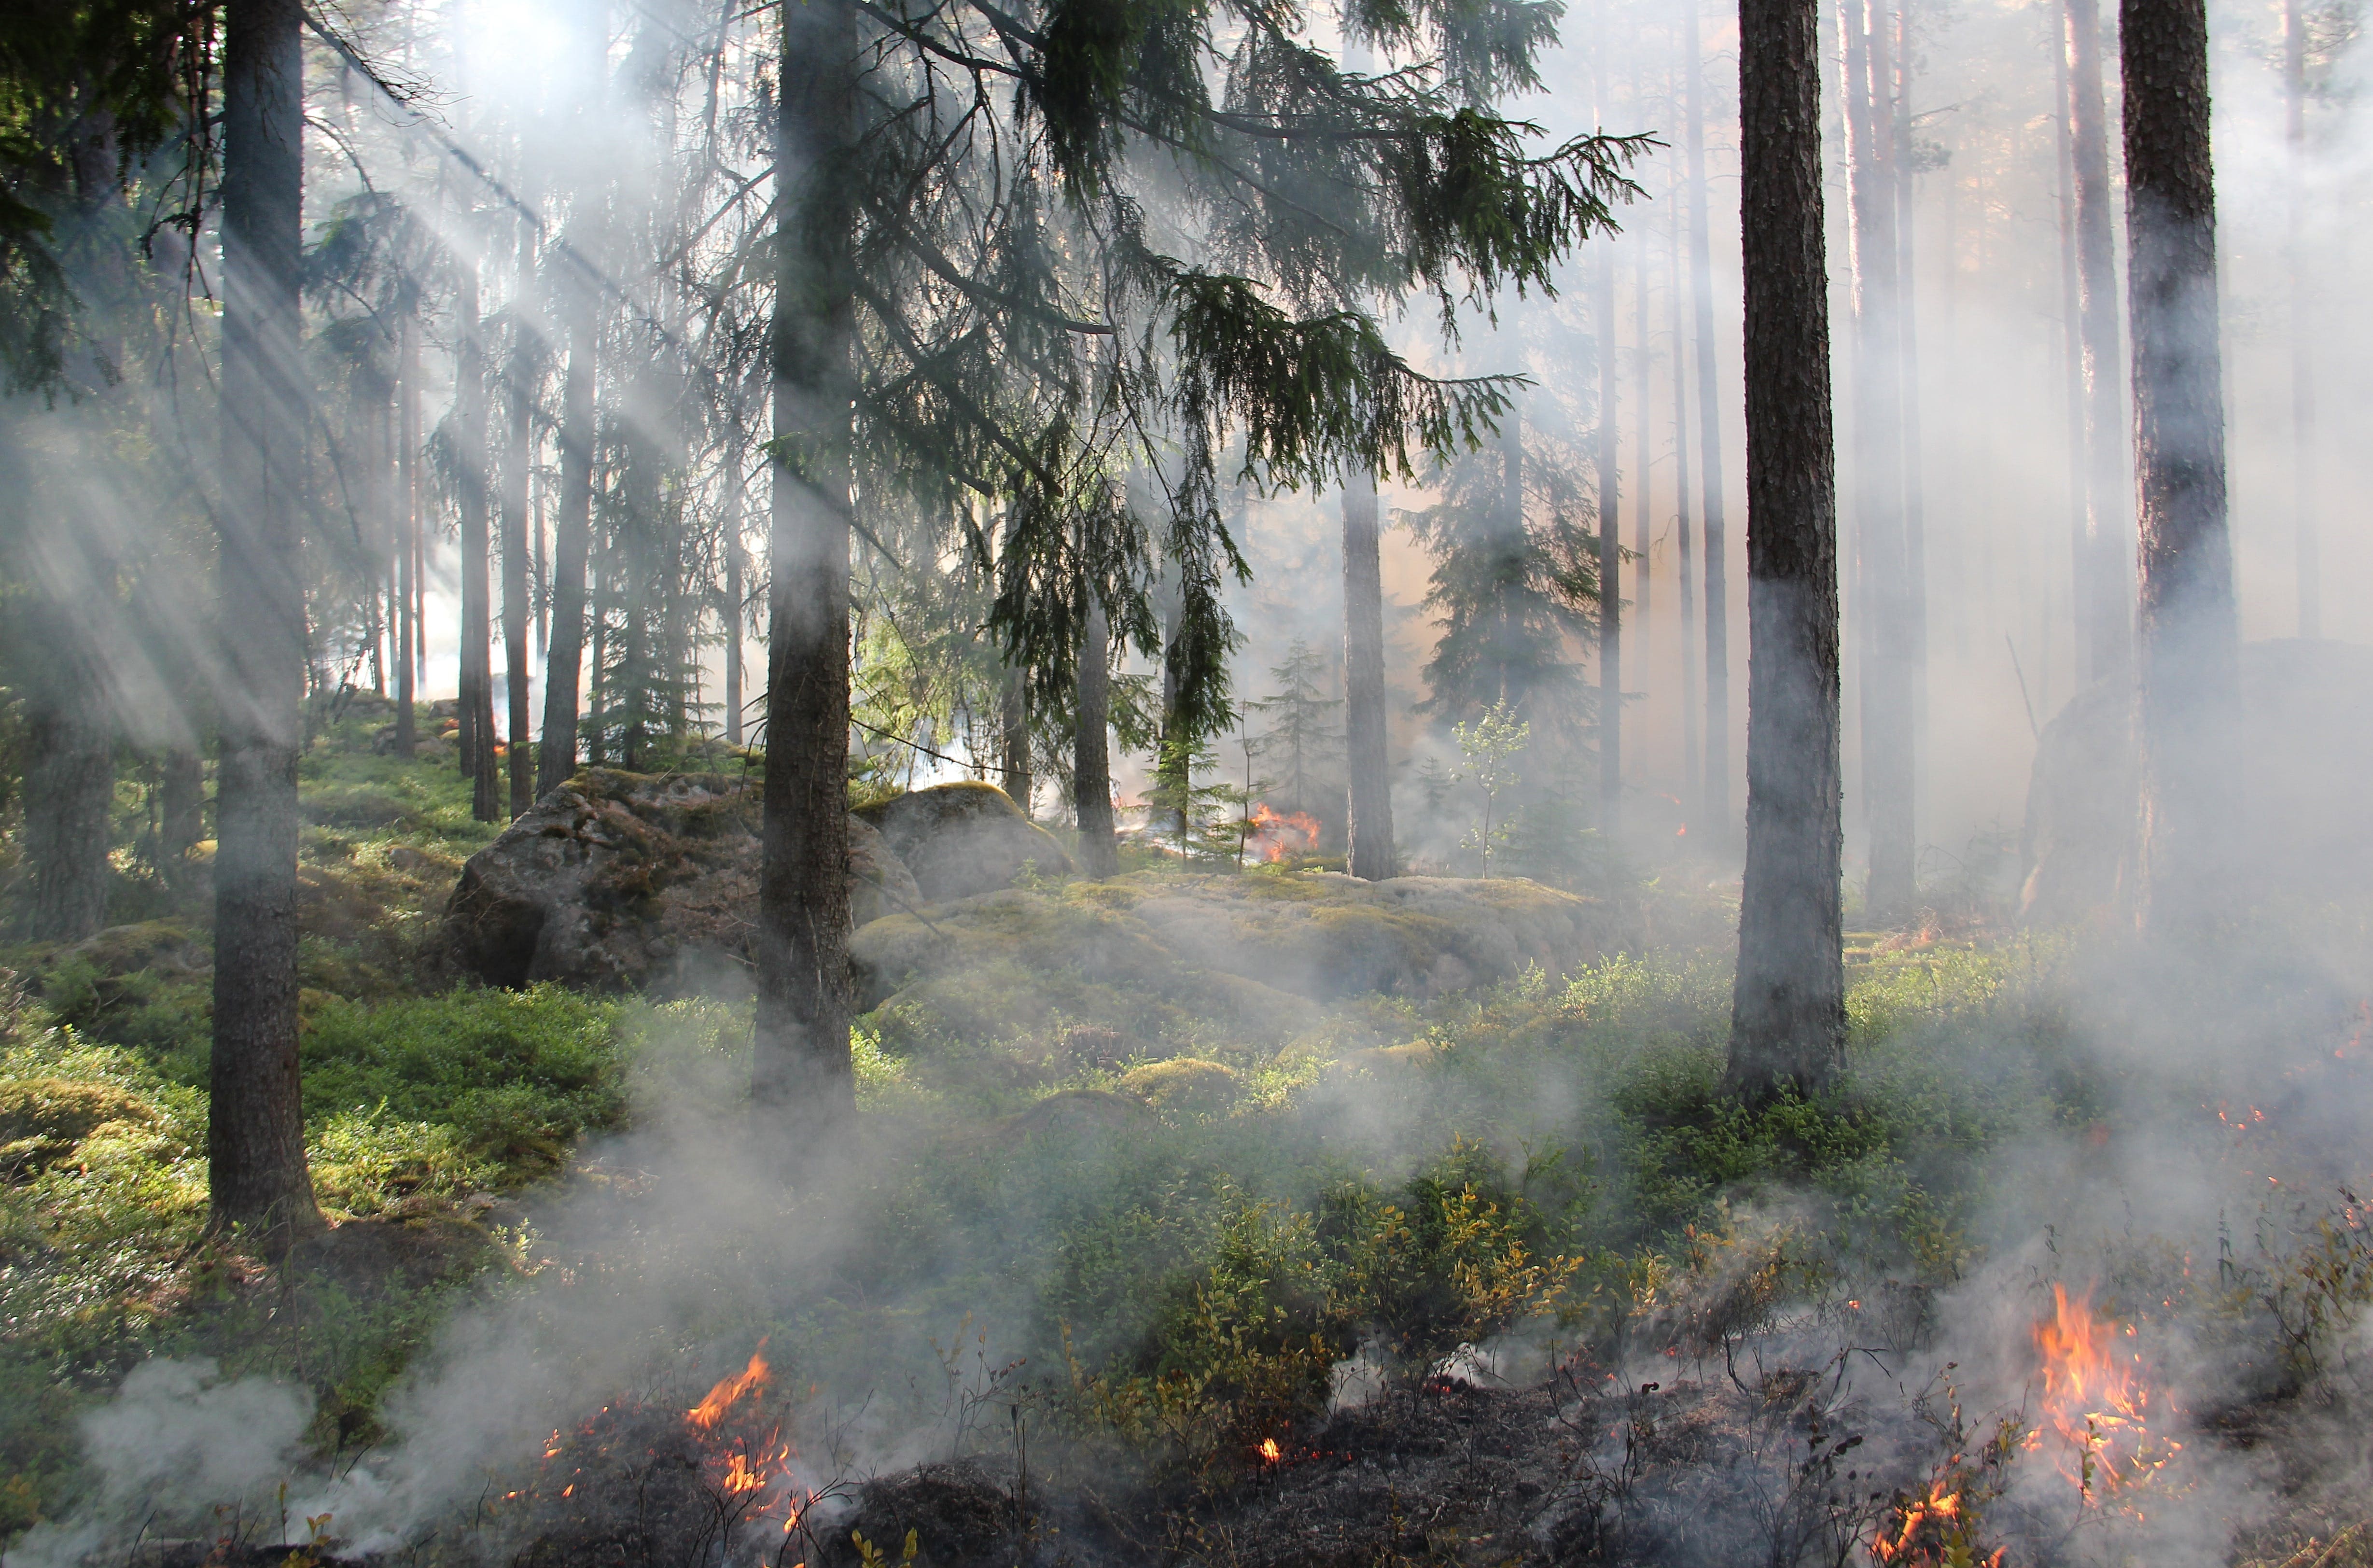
x: 1368, y: 849
x: 2190, y: 641
x: 1301, y: 734
x: 255, y: 1129
x: 1788, y: 1016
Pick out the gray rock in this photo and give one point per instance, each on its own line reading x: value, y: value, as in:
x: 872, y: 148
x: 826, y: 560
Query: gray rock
x: 620, y: 880
x: 964, y: 839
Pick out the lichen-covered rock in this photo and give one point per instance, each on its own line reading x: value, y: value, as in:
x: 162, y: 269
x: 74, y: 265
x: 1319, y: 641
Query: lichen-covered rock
x: 2307, y: 749
x: 964, y: 839
x: 618, y: 881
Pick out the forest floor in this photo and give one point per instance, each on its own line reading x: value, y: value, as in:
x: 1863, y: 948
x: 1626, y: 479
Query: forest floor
x: 1493, y: 1275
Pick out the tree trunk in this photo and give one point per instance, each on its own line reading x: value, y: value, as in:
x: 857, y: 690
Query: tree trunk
x: 1915, y: 506
x: 801, y: 1066
x: 2307, y: 551
x: 70, y: 773
x: 2190, y: 641
x: 1610, y: 526
x: 1091, y: 754
x: 521, y: 386
x: 1368, y: 826
x: 1013, y: 739
x: 475, y: 689
x: 1886, y: 727
x: 1644, y: 474
x: 407, y: 540
x: 572, y: 537
x: 737, y: 593
x: 182, y: 811
x: 255, y: 1123
x: 1684, y: 559
x: 1716, y: 537
x: 2080, y: 544
x: 2103, y: 634
x: 1788, y: 1021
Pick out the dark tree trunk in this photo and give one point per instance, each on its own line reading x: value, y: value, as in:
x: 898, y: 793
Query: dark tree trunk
x: 407, y: 541
x: 1368, y: 826
x: 1788, y: 1020
x: 572, y: 538
x: 2103, y: 630
x: 1610, y: 523
x: 1091, y: 753
x: 1717, y: 543
x: 2190, y: 639
x: 521, y: 386
x: 70, y: 775
x: 476, y: 689
x: 181, y: 815
x: 800, y: 1063
x: 1684, y: 558
x: 1887, y: 721
x: 736, y: 594
x: 255, y: 1124
x: 1013, y: 739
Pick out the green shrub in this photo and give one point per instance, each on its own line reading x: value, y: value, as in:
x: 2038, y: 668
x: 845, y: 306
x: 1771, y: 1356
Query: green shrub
x: 517, y: 1074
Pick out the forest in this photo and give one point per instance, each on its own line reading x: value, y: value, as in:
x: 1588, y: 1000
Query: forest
x: 1063, y: 783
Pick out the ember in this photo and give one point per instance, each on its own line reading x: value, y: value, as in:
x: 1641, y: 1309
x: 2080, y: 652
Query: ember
x: 2097, y: 1402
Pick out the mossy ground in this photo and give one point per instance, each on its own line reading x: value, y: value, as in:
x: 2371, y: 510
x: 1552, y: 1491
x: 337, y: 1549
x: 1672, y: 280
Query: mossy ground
x: 1196, y: 1192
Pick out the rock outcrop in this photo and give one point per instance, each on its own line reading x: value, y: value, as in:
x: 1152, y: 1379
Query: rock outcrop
x: 2307, y: 750
x: 618, y: 881
x: 964, y: 839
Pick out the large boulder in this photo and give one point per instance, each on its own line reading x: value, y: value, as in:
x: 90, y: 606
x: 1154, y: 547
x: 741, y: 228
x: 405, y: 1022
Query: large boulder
x: 2305, y: 751
x: 618, y: 881
x: 964, y: 839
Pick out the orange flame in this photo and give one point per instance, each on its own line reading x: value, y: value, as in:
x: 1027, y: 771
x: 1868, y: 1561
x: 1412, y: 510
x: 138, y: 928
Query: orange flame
x: 2096, y: 1400
x: 1279, y: 834
x: 1271, y: 1451
x: 730, y: 1392
x: 1925, y: 1530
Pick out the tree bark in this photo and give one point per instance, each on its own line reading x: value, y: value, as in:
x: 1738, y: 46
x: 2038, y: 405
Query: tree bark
x: 1716, y: 536
x: 2189, y: 665
x: 1788, y: 1021
x: 407, y: 541
x: 182, y: 811
x: 70, y: 772
x: 1611, y: 526
x: 737, y: 593
x: 2103, y: 631
x: 801, y: 1066
x: 572, y: 537
x: 1684, y: 559
x: 475, y: 689
x: 1013, y: 739
x: 255, y: 1124
x: 2307, y: 550
x: 1091, y: 753
x: 520, y: 387
x: 1887, y: 722
x: 1368, y: 822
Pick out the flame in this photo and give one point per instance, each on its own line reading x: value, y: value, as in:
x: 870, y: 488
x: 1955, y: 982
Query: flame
x: 1271, y: 1451
x: 2096, y: 1400
x: 1277, y: 836
x: 730, y: 1391
x: 1939, y: 1514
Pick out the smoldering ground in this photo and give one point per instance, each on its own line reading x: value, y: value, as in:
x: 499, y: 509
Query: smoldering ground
x: 967, y: 1328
